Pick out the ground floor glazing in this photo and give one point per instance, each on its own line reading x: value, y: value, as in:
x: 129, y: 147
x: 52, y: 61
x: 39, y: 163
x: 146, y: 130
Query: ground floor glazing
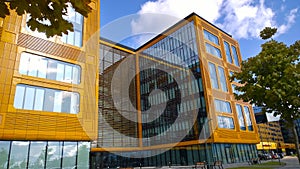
x: 44, y: 155
x: 187, y: 155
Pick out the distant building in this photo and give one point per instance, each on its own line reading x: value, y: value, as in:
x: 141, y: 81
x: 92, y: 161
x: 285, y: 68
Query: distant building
x: 273, y: 135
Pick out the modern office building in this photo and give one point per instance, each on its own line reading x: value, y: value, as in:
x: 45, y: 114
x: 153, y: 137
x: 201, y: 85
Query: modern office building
x: 48, y: 93
x: 274, y: 136
x: 64, y: 104
x: 170, y: 102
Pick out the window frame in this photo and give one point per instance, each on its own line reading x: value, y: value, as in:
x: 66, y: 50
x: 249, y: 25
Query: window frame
x: 47, y: 105
x: 43, y: 72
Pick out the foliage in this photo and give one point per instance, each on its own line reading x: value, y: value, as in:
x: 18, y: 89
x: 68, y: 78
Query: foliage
x: 268, y: 32
x: 46, y: 15
x: 272, y: 79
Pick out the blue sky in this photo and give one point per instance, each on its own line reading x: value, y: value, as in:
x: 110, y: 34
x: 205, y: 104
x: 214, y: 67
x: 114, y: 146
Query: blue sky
x: 243, y: 19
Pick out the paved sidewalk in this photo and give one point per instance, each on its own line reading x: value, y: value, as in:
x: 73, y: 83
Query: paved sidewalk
x: 291, y: 163
x: 243, y: 164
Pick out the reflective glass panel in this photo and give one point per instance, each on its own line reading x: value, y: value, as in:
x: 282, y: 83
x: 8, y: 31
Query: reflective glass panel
x: 222, y: 79
x: 37, y: 155
x: 19, y: 97
x: 29, y: 98
x: 213, y: 50
x: 74, y: 38
x: 222, y: 106
x: 54, y: 153
x: 39, y: 99
x: 45, y: 99
x: 235, y: 56
x: 18, y: 154
x: 225, y: 122
x: 83, y: 155
x: 4, y: 151
x: 211, y: 37
x: 227, y: 51
x: 240, y: 117
x: 69, y: 156
x: 248, y: 118
x: 42, y: 67
x: 213, y: 76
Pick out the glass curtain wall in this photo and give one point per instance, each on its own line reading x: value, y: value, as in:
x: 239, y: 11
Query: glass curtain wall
x: 173, y: 54
x: 177, y: 156
x: 114, y: 129
x: 44, y: 154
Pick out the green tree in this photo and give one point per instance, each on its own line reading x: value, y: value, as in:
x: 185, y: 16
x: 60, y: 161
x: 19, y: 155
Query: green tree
x: 46, y: 15
x: 271, y: 80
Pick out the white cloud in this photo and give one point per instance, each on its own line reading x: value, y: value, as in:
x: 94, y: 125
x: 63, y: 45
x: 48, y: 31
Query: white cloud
x: 245, y: 19
x: 241, y: 18
x: 156, y: 16
x: 290, y: 21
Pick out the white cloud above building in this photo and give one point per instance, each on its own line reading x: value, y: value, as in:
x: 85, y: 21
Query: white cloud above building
x: 241, y: 18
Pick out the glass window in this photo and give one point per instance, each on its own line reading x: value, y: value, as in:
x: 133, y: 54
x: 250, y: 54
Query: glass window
x: 29, y: 98
x: 222, y: 106
x: 42, y: 68
x: 45, y: 99
x: 4, y: 151
x: 60, y: 69
x: 37, y: 155
x: 222, y: 79
x: 18, y: 154
x: 69, y: 156
x: 225, y: 122
x: 39, y: 99
x: 38, y: 66
x: 235, y: 56
x: 19, y: 95
x: 213, y: 50
x: 24, y: 64
x: 240, y: 117
x: 248, y: 118
x: 213, y: 76
x: 211, y: 37
x: 227, y: 51
x: 54, y: 153
x: 74, y: 38
x: 83, y: 155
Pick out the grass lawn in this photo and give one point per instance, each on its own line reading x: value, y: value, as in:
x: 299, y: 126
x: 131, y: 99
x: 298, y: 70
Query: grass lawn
x: 267, y: 165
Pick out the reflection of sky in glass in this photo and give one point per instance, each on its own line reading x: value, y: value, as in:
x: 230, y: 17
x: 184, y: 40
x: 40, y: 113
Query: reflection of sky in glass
x: 248, y: 118
x: 38, y: 98
x: 240, y: 115
x: 17, y: 158
x: 70, y: 149
x: 38, y: 66
x: 36, y: 151
x: 54, y: 150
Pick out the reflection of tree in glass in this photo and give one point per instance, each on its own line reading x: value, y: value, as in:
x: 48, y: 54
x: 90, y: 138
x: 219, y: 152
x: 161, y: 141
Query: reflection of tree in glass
x: 83, y: 156
x: 3, y: 158
x: 51, y: 160
x: 16, y: 165
x: 40, y: 161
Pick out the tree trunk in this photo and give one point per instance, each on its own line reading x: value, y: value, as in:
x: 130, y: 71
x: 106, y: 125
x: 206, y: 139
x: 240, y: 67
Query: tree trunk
x: 296, y: 141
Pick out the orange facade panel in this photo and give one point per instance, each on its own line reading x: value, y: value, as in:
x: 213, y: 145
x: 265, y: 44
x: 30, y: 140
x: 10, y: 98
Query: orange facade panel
x: 22, y: 124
